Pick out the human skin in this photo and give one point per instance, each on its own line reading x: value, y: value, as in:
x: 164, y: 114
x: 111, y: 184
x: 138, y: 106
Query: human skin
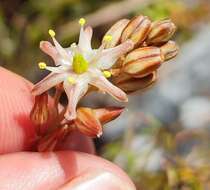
x: 72, y: 166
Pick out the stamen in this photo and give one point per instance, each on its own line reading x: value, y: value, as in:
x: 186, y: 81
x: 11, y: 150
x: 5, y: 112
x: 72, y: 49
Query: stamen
x: 59, y: 48
x: 74, y: 48
x: 42, y: 65
x: 107, y: 74
x: 71, y: 80
x: 73, y: 45
x: 108, y: 38
x: 82, y: 21
x: 51, y: 33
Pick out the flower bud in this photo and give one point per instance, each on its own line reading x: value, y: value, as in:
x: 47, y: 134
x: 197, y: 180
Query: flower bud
x: 108, y: 114
x: 142, y: 61
x: 115, y: 31
x: 40, y: 113
x: 169, y: 50
x: 130, y: 84
x: 87, y: 122
x: 136, y: 30
x: 161, y: 32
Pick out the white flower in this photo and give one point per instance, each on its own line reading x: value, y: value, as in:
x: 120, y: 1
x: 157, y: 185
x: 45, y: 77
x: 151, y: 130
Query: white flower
x: 80, y: 65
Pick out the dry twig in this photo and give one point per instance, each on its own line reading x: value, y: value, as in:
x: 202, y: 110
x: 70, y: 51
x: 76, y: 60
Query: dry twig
x: 105, y: 15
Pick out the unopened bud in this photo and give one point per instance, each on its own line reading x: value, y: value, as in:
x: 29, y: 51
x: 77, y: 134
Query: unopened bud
x: 142, y: 61
x: 40, y: 113
x: 136, y: 30
x: 130, y: 84
x: 169, y: 50
x: 161, y: 32
x: 108, y: 114
x: 87, y: 122
x: 115, y: 31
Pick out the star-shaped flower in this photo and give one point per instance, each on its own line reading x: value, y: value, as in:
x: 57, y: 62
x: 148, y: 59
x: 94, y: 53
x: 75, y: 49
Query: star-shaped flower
x: 79, y: 66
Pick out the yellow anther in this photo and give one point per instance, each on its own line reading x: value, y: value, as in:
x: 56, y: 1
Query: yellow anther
x: 51, y: 33
x: 82, y: 21
x: 42, y: 65
x: 107, y: 74
x: 73, y: 45
x: 108, y: 38
x: 71, y: 80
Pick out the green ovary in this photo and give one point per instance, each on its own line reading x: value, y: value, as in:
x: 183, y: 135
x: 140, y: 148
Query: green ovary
x: 80, y: 64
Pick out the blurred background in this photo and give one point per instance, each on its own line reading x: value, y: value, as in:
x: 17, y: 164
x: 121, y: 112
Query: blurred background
x: 162, y: 140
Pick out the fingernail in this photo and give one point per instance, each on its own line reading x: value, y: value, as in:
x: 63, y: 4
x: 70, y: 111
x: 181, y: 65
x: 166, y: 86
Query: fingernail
x: 102, y: 180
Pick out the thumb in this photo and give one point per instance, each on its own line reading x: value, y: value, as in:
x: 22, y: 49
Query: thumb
x: 60, y: 170
x: 16, y: 129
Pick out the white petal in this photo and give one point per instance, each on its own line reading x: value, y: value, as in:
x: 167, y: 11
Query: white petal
x: 103, y: 84
x: 69, y: 52
x: 62, y: 52
x: 59, y: 69
x: 111, y: 55
x: 48, y: 82
x: 64, y: 62
x: 74, y: 93
x: 49, y: 49
x: 85, y: 39
x: 89, y: 32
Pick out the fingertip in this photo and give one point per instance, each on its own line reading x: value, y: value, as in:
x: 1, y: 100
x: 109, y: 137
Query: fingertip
x: 16, y: 129
x: 53, y: 170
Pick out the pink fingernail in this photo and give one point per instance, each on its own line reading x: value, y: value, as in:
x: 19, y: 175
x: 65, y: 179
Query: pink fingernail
x: 102, y: 180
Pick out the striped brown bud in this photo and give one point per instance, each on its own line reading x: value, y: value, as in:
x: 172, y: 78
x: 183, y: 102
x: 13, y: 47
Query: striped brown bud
x: 142, y: 61
x: 130, y: 84
x: 137, y: 30
x: 40, y: 113
x: 169, y: 50
x: 115, y: 31
x: 161, y: 32
x: 87, y: 122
